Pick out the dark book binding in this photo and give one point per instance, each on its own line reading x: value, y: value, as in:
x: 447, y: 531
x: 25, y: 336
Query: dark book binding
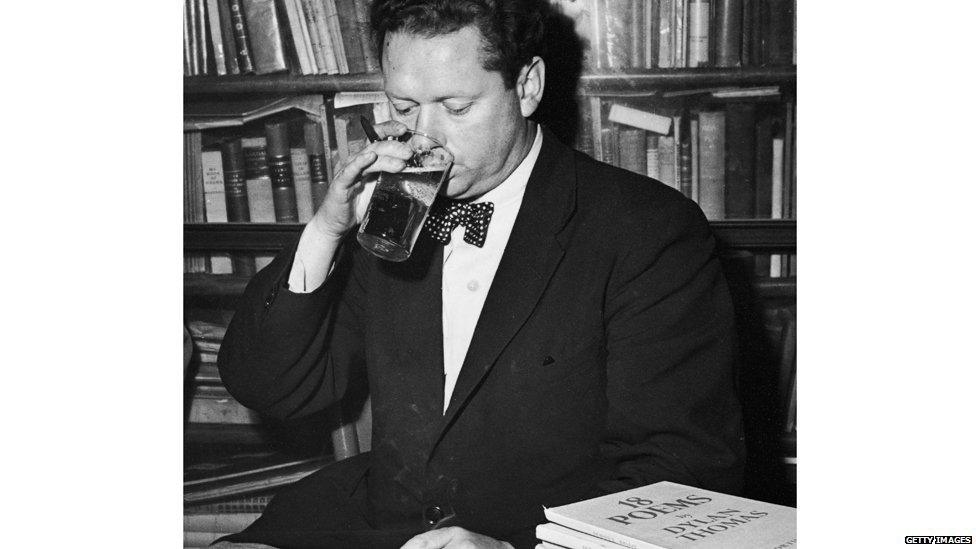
x: 684, y: 156
x: 765, y: 125
x: 235, y: 188
x: 728, y: 33
x: 370, y: 56
x: 227, y: 36
x: 317, y: 167
x: 350, y: 31
x: 264, y: 30
x: 740, y: 154
x: 241, y: 39
x: 279, y: 168
x: 777, y: 32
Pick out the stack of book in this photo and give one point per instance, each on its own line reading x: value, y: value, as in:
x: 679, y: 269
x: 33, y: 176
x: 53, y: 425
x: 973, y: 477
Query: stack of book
x: 210, y: 403
x: 223, y: 37
x: 662, y: 34
x: 666, y: 515
x: 224, y: 495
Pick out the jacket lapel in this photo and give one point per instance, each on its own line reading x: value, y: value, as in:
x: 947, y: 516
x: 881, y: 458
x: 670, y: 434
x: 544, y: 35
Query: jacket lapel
x: 531, y: 256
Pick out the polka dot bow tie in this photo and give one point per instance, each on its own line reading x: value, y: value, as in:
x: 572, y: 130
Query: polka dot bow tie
x: 446, y: 215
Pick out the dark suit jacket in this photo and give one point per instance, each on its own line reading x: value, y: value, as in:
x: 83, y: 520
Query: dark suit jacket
x: 602, y: 359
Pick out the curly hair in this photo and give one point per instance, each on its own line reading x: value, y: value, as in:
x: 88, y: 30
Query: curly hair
x: 512, y: 30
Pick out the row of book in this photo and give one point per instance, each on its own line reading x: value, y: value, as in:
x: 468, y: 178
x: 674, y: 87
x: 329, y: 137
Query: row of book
x: 222, y: 37
x: 736, y: 162
x: 661, y: 34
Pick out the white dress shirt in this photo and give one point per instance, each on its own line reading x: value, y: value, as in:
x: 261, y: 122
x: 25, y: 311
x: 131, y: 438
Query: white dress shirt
x: 469, y: 270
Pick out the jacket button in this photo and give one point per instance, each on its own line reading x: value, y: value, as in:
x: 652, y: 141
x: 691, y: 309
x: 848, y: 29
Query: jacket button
x: 433, y: 515
x: 271, y: 298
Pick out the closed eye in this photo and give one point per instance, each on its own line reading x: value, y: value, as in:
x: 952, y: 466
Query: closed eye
x: 459, y: 110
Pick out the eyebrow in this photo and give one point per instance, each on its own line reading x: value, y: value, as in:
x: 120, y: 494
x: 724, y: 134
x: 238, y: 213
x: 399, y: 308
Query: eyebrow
x: 436, y: 99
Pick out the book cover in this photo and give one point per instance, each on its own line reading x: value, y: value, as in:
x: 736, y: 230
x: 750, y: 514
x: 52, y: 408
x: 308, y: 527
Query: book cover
x: 370, y: 55
x: 350, y: 32
x: 315, y: 13
x: 711, y: 165
x: 216, y: 36
x: 280, y: 170
x: 317, y: 162
x: 242, y: 41
x: 637, y: 118
x: 246, y: 474
x: 260, y: 198
x: 216, y: 205
x: 264, y: 32
x: 335, y: 33
x: 698, y: 33
x: 728, y: 33
x: 303, y: 184
x: 740, y: 155
x: 227, y: 35
x: 633, y: 150
x: 648, y: 518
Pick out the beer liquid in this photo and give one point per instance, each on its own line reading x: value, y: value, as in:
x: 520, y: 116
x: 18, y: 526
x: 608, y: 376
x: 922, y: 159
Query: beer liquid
x: 397, y: 211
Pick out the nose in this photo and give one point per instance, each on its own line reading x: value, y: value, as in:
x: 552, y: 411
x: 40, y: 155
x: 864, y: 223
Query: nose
x: 428, y: 121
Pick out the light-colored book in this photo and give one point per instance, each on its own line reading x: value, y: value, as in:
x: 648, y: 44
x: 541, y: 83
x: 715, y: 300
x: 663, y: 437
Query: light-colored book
x: 666, y: 515
x: 711, y: 164
x: 560, y: 536
x: 303, y: 183
x: 637, y: 118
x: 776, y: 260
x: 299, y: 37
x: 216, y: 204
x: 665, y: 161
x: 216, y: 37
x: 698, y: 11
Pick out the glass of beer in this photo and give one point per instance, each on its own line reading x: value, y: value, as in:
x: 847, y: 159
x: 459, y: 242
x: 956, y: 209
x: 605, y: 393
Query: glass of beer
x: 398, y: 208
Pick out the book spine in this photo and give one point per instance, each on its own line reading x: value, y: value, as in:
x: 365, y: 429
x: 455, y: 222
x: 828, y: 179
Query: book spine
x: 216, y: 204
x: 728, y: 29
x: 303, y: 184
x: 765, y: 120
x: 194, y: 197
x: 351, y: 42
x: 260, y: 199
x: 679, y: 33
x: 698, y: 11
x: 216, y: 35
x: 190, y: 10
x: 584, y: 132
x: 596, y: 125
x: 279, y: 169
x: 777, y: 32
x: 335, y: 33
x: 665, y: 51
x: 187, y: 39
x: 711, y: 190
x: 201, y: 33
x: 789, y: 162
x: 633, y: 150
x: 695, y: 157
x: 320, y: 19
x: 652, y: 152
x: 636, y: 34
x: 308, y: 19
x: 317, y: 166
x: 227, y: 35
x: 740, y: 153
x: 264, y: 30
x: 776, y: 260
x: 235, y: 188
x: 609, y: 152
x: 752, y: 31
x: 684, y: 156
x: 370, y: 54
x: 665, y: 160
x: 241, y: 39
x: 652, y: 25
x: 299, y: 39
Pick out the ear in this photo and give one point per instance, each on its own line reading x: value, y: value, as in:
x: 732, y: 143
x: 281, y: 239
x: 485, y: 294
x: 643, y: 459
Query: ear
x: 530, y: 84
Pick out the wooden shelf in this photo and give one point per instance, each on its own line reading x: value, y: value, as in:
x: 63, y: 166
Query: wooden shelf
x: 760, y: 235
x: 594, y: 83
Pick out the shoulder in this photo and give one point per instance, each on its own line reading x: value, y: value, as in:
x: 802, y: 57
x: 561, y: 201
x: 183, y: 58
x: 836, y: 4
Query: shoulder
x: 632, y: 206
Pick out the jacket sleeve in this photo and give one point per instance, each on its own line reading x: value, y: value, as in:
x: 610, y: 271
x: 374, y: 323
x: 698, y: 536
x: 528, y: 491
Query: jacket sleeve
x: 673, y: 412
x: 287, y: 354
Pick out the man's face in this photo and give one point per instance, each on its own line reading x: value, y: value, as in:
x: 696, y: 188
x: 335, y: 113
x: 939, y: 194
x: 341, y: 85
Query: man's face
x: 438, y: 86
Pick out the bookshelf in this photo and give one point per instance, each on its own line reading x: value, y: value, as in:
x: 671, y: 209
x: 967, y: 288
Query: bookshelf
x: 743, y: 242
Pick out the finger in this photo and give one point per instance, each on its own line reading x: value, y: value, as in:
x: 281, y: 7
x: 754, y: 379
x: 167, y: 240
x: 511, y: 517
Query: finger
x: 390, y: 127
x: 386, y: 164
x: 432, y: 539
x: 348, y: 174
x: 391, y: 148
